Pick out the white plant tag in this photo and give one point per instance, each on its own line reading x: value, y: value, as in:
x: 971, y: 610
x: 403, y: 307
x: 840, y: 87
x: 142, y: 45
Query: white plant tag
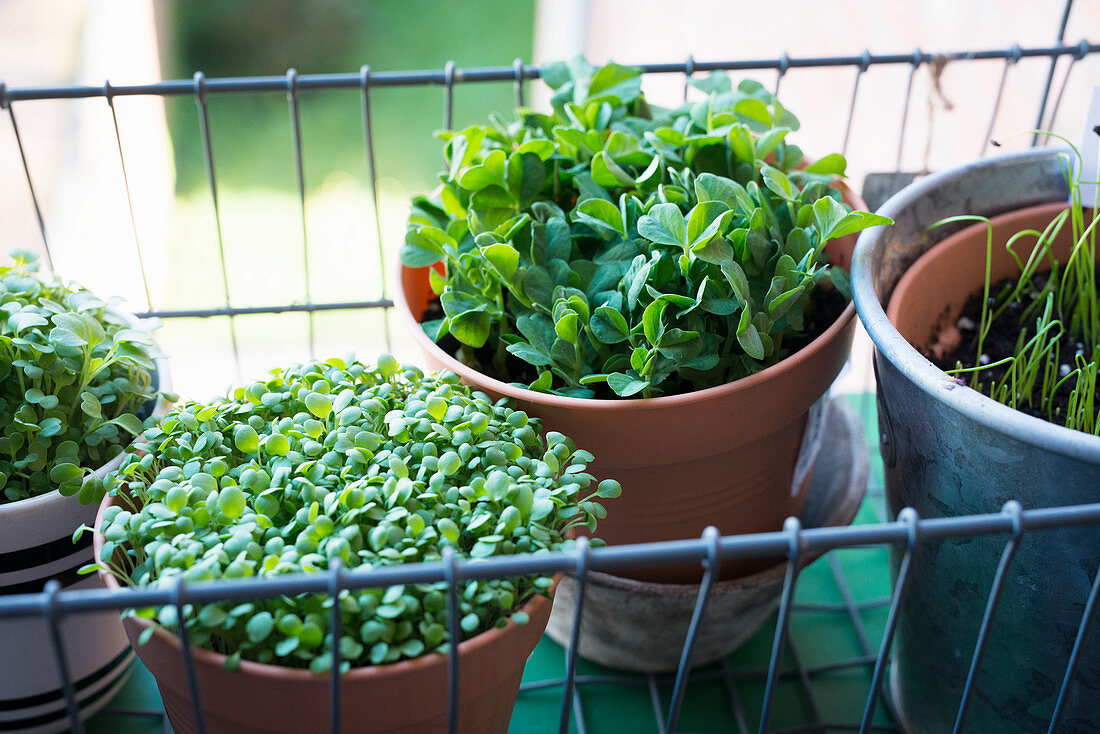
x: 1090, y: 151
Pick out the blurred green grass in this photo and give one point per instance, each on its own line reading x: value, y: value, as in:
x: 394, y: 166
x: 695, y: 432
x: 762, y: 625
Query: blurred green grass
x: 251, y: 132
x: 261, y: 219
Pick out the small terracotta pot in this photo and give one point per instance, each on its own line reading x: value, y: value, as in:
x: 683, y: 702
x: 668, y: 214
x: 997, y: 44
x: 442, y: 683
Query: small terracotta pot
x: 930, y: 296
x: 724, y: 456
x: 408, y: 697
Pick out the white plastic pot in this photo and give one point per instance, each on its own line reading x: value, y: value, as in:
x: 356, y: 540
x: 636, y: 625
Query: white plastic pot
x: 36, y: 546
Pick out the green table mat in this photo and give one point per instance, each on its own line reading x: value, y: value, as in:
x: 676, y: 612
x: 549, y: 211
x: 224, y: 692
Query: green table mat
x: 835, y: 629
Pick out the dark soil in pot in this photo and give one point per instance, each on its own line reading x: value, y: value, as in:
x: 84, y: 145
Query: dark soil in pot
x: 1000, y: 342
x: 827, y: 306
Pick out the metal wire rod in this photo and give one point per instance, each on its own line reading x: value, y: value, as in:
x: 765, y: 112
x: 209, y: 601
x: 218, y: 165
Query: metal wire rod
x: 910, y: 517
x: 864, y: 65
x: 448, y: 95
x: 578, y: 714
x: 711, y: 566
x: 655, y: 702
x: 372, y: 176
x: 1011, y: 509
x: 52, y: 613
x: 334, y: 587
x: 299, y: 168
x: 27, y: 174
x: 804, y: 606
x: 212, y: 179
x: 108, y: 94
x: 916, y: 61
x: 1078, y: 643
x: 572, y: 650
x: 803, y: 679
x: 781, y: 71
x: 608, y: 680
x: 702, y: 675
x: 204, y: 313
x: 689, y: 72
x: 792, y: 530
x: 609, y: 558
x: 850, y: 606
x: 1045, y: 139
x: 1009, y: 63
x: 519, y: 68
x: 176, y: 598
x: 736, y: 707
x: 1050, y: 74
x: 823, y: 727
x: 180, y: 87
x: 753, y: 674
x: 454, y: 636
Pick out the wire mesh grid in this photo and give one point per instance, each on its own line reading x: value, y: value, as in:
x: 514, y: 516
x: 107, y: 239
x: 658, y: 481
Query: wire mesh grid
x: 293, y: 84
x: 576, y: 692
x: 750, y: 691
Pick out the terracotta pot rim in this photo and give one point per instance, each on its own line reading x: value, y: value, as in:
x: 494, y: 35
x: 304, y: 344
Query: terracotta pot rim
x: 744, y: 384
x: 361, y: 673
x: 894, y: 348
x: 160, y: 408
x: 974, y: 231
x: 266, y: 670
x: 736, y: 387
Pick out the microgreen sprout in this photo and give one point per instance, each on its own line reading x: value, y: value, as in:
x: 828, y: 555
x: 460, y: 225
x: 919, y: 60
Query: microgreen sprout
x: 1049, y: 311
x: 374, y: 466
x: 613, y: 245
x: 73, y: 379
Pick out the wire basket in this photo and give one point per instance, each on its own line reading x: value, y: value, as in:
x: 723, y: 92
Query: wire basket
x: 747, y: 692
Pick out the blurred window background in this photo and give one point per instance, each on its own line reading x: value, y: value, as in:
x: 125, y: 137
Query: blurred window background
x: 74, y: 155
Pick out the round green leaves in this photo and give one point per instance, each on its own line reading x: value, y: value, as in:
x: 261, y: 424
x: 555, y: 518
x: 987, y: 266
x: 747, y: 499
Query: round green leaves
x: 335, y: 461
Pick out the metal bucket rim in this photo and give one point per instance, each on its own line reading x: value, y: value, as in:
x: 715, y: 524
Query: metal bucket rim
x: 930, y: 379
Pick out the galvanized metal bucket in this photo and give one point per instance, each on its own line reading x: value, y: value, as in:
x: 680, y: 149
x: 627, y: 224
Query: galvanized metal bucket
x: 950, y: 451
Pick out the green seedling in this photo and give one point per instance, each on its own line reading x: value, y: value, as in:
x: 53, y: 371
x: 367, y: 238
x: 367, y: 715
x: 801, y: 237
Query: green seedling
x: 72, y: 379
x: 614, y: 242
x: 1062, y: 308
x: 339, y: 461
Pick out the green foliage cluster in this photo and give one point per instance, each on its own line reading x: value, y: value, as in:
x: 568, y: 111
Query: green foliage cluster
x: 1048, y: 311
x: 657, y: 251
x: 371, y: 466
x: 72, y: 379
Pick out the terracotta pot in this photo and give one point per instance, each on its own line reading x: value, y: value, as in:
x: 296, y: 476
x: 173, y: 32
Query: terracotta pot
x: 724, y: 456
x: 641, y: 626
x: 931, y: 294
x: 36, y: 546
x: 408, y: 697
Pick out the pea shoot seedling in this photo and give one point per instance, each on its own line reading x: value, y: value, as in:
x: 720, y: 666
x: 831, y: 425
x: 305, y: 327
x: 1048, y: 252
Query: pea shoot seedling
x: 611, y: 241
x: 72, y: 378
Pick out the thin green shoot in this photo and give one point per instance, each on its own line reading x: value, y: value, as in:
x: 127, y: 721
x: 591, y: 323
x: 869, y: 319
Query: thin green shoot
x: 1061, y: 306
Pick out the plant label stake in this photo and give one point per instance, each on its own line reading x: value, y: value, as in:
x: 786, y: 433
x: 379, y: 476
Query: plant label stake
x: 1090, y: 151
